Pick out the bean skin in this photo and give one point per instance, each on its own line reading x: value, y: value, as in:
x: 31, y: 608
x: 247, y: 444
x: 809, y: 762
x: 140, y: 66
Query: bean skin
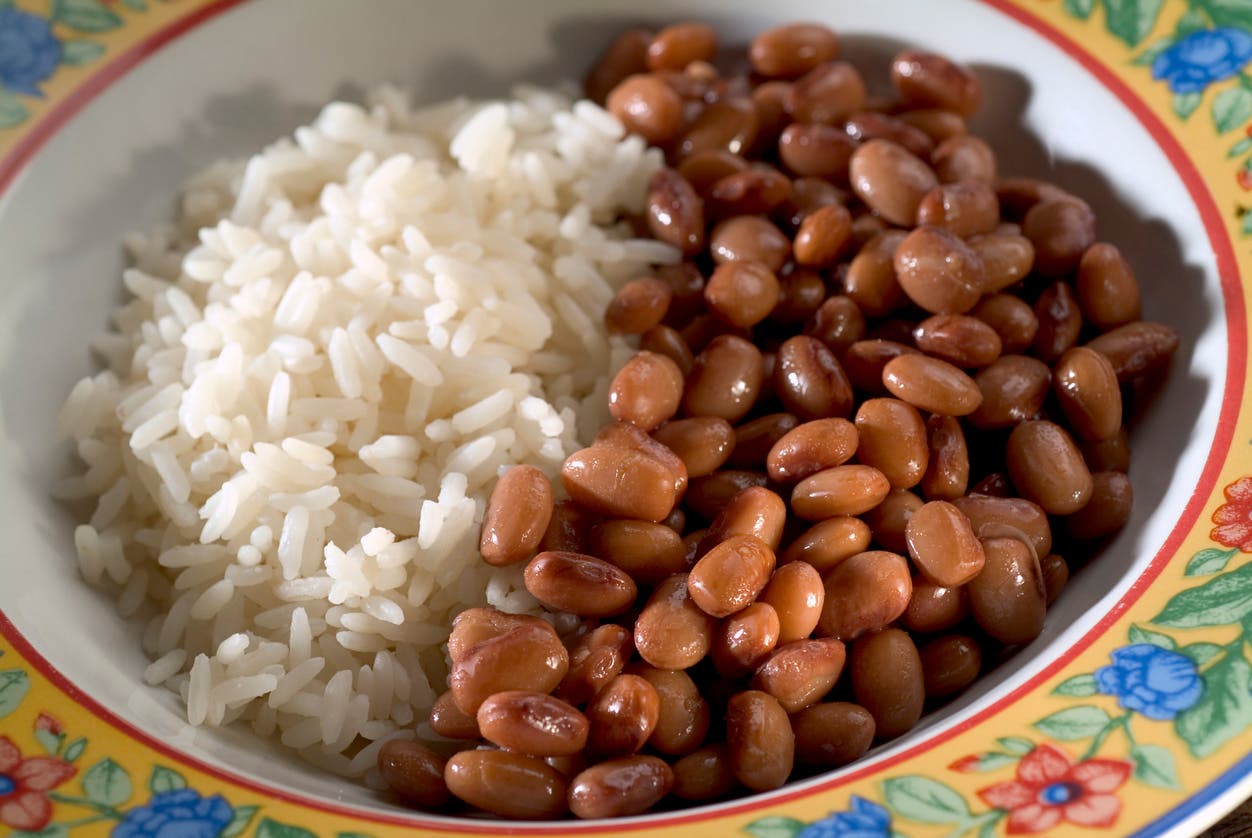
x: 887, y: 680
x: 731, y: 575
x: 842, y: 490
x: 517, y: 516
x: 832, y: 735
x: 759, y: 739
x: 864, y: 593
x: 414, y: 772
x: 703, y: 443
x: 671, y: 631
x: 1047, y: 467
x: 532, y: 723
x: 507, y: 784
x: 620, y: 787
x: 579, y: 584
x: 993, y: 517
x: 1008, y: 599
x: 892, y: 438
x: 828, y: 542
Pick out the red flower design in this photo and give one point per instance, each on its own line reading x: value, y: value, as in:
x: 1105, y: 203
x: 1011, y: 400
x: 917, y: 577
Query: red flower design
x: 1244, y: 178
x: 49, y: 723
x: 1050, y: 789
x: 24, y: 803
x: 1234, y: 517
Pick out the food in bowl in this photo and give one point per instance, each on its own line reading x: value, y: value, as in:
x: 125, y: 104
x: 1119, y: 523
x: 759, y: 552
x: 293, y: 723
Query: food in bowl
x: 813, y: 381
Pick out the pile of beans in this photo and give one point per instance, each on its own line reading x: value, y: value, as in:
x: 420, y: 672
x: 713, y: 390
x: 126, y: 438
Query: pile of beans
x: 884, y: 379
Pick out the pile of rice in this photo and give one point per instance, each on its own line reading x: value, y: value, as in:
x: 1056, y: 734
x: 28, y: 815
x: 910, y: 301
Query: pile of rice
x: 324, y: 367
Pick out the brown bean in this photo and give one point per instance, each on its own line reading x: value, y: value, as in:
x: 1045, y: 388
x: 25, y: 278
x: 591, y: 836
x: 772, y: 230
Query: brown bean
x: 568, y: 528
x: 827, y: 94
x: 414, y: 772
x: 1013, y: 390
x: 1107, y: 511
x: 638, y: 306
x: 938, y: 124
x: 666, y: 341
x: 507, y: 784
x: 1137, y: 348
x: 939, y: 271
x: 934, y: 608
x: 596, y: 659
x: 517, y: 515
x: 760, y: 741
x: 949, y: 664
x: 474, y: 625
x: 742, y: 293
x: 964, y: 208
x: 832, y: 735
x: 808, y: 195
x: 619, y: 482
x: 731, y: 575
x: 706, y: 168
x: 838, y: 323
x: 683, y: 718
x: 994, y: 517
x: 703, y: 443
x: 842, y: 490
x: 816, y: 150
x: 942, y: 544
x: 932, y: 385
x: 887, y: 680
x: 710, y: 495
x: 750, y: 238
x: 646, y: 391
x: 890, y: 518
x: 810, y: 381
x: 620, y: 787
x: 579, y: 584
x: 1061, y: 231
x: 1112, y: 454
x: 1108, y: 293
x: 450, y: 722
x: 790, y: 51
x: 865, y: 360
x: 1055, y: 576
x: 891, y: 437
x: 1006, y: 259
x: 679, y: 44
x: 796, y: 593
x: 864, y: 593
x: 761, y: 189
x: 524, y: 658
x: 1059, y: 322
x: 996, y: 483
x: 871, y: 280
x: 800, y: 296
x: 1086, y: 388
x: 960, y: 339
x: 964, y: 157
x: 626, y: 56
x: 800, y: 673
x: 868, y: 125
x: 927, y: 80
x: 769, y: 99
x: 822, y: 236
x: 725, y: 379
x: 532, y: 723
x: 1012, y: 319
x: 704, y: 774
x: 622, y: 716
x: 754, y: 440
x: 729, y: 124
x: 756, y: 511
x: 829, y: 542
x: 1046, y: 467
x: 1008, y: 599
x: 628, y: 436
x: 1018, y: 195
x: 647, y: 106
x: 890, y: 180
x: 672, y: 632
x: 744, y: 640
x: 675, y: 212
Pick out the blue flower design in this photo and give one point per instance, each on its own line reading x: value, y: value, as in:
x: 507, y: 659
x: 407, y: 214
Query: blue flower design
x: 864, y: 820
x: 177, y: 814
x: 29, y: 52
x: 1150, y: 680
x: 1202, y: 58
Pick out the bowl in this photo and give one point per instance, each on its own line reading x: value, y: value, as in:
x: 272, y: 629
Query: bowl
x: 1131, y: 713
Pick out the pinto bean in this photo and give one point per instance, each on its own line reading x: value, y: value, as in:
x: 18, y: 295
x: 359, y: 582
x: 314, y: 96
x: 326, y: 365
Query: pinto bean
x: 1061, y: 231
x: 1047, y: 467
x: 622, y: 716
x: 1086, y: 387
x: 864, y: 593
x: 579, y: 584
x: 646, y: 391
x: 759, y: 739
x: 996, y: 517
x: 647, y: 106
x: 1013, y: 390
x: 942, y: 544
x: 829, y: 542
x: 1008, y: 598
x: 675, y: 212
x: 934, y: 608
x: 964, y: 157
x: 725, y: 379
x: 887, y: 680
x: 1137, y: 348
x: 927, y: 80
x: 931, y: 384
x: 939, y: 272
x: 532, y: 723
x: 827, y: 94
x: 517, y: 516
x: 964, y: 208
x: 680, y: 44
x: 1108, y: 292
x: 832, y: 735
x: 890, y: 180
x: 620, y: 787
x: 871, y: 280
x: 414, y: 772
x: 704, y: 774
x: 842, y: 490
x: 619, y: 482
x: 891, y: 437
x: 731, y: 575
x: 638, y: 306
x: 801, y: 672
x: 947, y: 469
x: 1107, y: 511
x: 790, y: 51
x: 810, y: 381
x: 671, y: 631
x: 507, y: 784
x: 744, y: 640
x: 816, y: 150
x: 1012, y: 319
x: 950, y: 664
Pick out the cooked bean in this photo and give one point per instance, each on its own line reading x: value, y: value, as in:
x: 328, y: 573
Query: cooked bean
x: 759, y: 739
x: 995, y: 517
x: 1107, y: 511
x: 629, y: 436
x: 474, y: 625
x: 864, y: 593
x: 646, y: 391
x: 683, y: 718
x: 1137, y: 348
x: 744, y: 640
x: 934, y: 608
x: 1087, y: 390
x: 620, y: 787
x: 568, y: 527
x: 832, y: 735
x: 517, y: 516
x: 1061, y: 231
x: 761, y: 189
x: 671, y: 632
x: 728, y: 124
x: 810, y: 381
x: 679, y: 44
x: 790, y: 51
x: 964, y: 157
x: 1059, y: 322
x: 939, y: 271
x: 1047, y: 468
x: 622, y: 716
x: 1018, y: 195
x: 842, y: 490
x: 756, y: 511
x: 450, y: 722
x: 949, y: 664
x: 796, y: 593
x: 838, y: 323
x: 943, y: 545
x: 507, y: 784
x: 822, y: 236
x: 754, y: 440
x: 996, y: 483
x: 1108, y: 292
x: 964, y: 208
x: 523, y: 658
x: 1055, y: 575
x: 1006, y: 258
x: 414, y: 772
x: 769, y: 98
x: 865, y: 360
x: 619, y: 482
x: 800, y: 673
x: 725, y: 379
x: 927, y: 80
x: 579, y: 584
x: 1008, y: 599
x: 808, y: 195
x: 935, y: 123
x: 731, y: 575
x: 871, y: 280
x: 532, y: 723
x: 827, y: 94
x: 706, y: 168
x: 750, y: 238
x: 890, y: 518
x: 1013, y: 390
x: 710, y: 495
x: 626, y: 56
x: 931, y: 384
x: 890, y: 180
x: 742, y: 293
x: 816, y: 150
x: 1012, y: 319
x: 868, y: 125
x: 1112, y: 454
x: 891, y: 437
x: 887, y: 680
x: 704, y: 774
x: 703, y: 443
x: 596, y: 658
x: 947, y: 469
x: 687, y: 288
x: 647, y: 106
x: 638, y: 306
x: 829, y: 542
x: 675, y: 212
x: 800, y: 295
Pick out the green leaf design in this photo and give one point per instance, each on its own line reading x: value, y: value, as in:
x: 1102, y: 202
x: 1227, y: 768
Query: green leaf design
x: 243, y: 816
x: 84, y: 15
x: 14, y: 683
x: 1223, y: 712
x: 922, y: 799
x: 1246, y: 229
x: 1223, y: 600
x: 1210, y: 560
x: 1016, y: 745
x: 1202, y: 652
x: 1231, y: 108
x: 354, y: 835
x: 268, y: 828
x: 1079, y: 8
x: 48, y: 740
x: 1241, y: 147
x: 164, y: 779
x: 1074, y: 723
x: 1138, y: 634
x: 1080, y: 686
x: 990, y: 761
x: 775, y: 826
x: 1152, y: 50
x: 1184, y: 104
x: 1236, y: 13
x: 107, y: 783
x: 1131, y: 20
x: 77, y: 53
x: 135, y: 5
x: 1190, y: 22
x: 53, y: 830
x: 1154, y: 766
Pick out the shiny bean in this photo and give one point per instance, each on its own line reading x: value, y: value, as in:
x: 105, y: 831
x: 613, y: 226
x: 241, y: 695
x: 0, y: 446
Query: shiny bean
x: 1086, y: 388
x: 1112, y: 454
x: 626, y: 56
x: 769, y: 98
x: 703, y: 775
x: 838, y: 323
x: 679, y: 44
x: 963, y: 157
x: 827, y: 94
x: 800, y: 295
x: 579, y: 584
x: 683, y: 719
x: 949, y: 664
x: 812, y: 447
x: 725, y: 379
x: 1059, y: 322
x: 810, y: 381
x: 800, y: 673
x: 671, y: 631
x: 864, y: 593
x: 1006, y: 259
x: 647, y: 106
x: 890, y: 180
x: 790, y: 51
x: 1107, y: 511
x: 619, y: 482
x: 1061, y: 231
x: 1018, y: 195
x: 833, y: 734
x: 808, y: 195
x: 620, y: 787
x: 796, y: 593
x: 675, y: 212
x: 934, y: 608
x: 756, y: 511
x: 754, y: 440
x: 927, y: 80
x: 596, y: 659
x: 706, y: 168
x: 524, y: 658
x: 638, y: 306
x: 750, y: 238
x: 731, y: 575
x: 939, y: 271
x: 744, y: 640
x: 627, y: 435
x: 842, y: 490
x: 871, y: 280
x: 887, y: 680
x: 1012, y: 319
x: 932, y: 385
x: 1055, y: 576
x: 568, y: 527
x: 1108, y: 293
x: 742, y: 293
x: 961, y: 340
x: 891, y: 437
x: 829, y: 542
x: 703, y: 443
x: 507, y: 784
x: 865, y: 360
x: 1046, y: 467
x: 729, y: 124
x: 414, y: 772
x: 622, y: 716
x: 947, y: 469
x: 964, y: 208
x: 761, y: 189
x: 450, y: 722
x: 942, y: 544
x: 687, y: 294
x: 516, y: 517
x: 474, y: 625
x: 997, y: 517
x: 646, y: 391
x: 1008, y: 599
x: 816, y: 150
x: 1137, y: 348
x: 935, y: 123
x: 822, y: 236
x: 868, y: 125
x: 759, y: 739
x: 890, y: 518
x: 532, y: 723
x: 1013, y: 389
x: 710, y: 495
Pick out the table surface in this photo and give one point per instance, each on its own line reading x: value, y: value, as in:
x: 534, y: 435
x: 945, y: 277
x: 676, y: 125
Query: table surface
x: 1237, y: 824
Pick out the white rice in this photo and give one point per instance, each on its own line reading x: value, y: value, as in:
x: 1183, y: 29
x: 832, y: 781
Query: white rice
x: 323, y: 368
